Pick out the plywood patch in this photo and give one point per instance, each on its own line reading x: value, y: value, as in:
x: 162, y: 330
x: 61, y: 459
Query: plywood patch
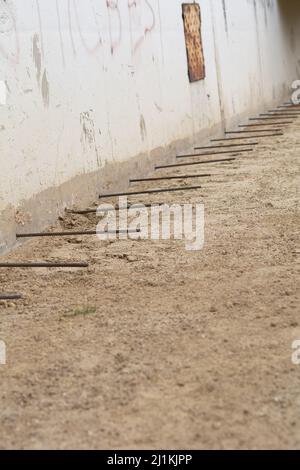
x: 193, y: 40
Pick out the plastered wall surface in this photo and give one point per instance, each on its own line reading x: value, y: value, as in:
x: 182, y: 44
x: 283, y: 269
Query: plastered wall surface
x: 98, y: 89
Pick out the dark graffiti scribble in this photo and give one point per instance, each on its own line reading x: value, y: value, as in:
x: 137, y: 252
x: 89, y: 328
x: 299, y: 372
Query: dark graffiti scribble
x: 147, y: 28
x: 113, y: 8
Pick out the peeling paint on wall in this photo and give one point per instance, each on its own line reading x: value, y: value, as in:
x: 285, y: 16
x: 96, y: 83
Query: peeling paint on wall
x: 143, y: 128
x: 45, y: 90
x: 37, y: 56
x: 88, y: 135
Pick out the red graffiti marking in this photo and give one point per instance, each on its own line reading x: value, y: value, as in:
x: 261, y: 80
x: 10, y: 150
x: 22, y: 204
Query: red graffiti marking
x: 88, y: 48
x: 141, y: 15
x: 146, y: 29
x: 113, y: 9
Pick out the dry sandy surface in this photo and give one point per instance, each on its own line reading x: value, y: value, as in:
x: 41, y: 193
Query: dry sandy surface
x: 156, y: 347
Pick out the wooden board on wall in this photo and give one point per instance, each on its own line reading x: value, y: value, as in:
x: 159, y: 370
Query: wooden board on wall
x: 193, y: 40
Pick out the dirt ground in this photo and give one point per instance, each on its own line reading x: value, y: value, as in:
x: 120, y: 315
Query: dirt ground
x: 156, y: 347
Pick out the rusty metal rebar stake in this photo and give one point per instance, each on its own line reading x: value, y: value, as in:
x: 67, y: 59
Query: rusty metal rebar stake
x: 277, y: 115
x: 289, y: 106
x: 167, y: 178
x: 71, y: 234
x: 177, y: 165
x: 251, y: 131
x: 247, y: 137
x: 150, y: 191
x: 44, y: 265
x: 10, y: 296
x: 226, y: 152
x: 116, y: 208
x: 270, y: 119
x: 266, y: 124
x: 285, y: 112
x: 226, y: 146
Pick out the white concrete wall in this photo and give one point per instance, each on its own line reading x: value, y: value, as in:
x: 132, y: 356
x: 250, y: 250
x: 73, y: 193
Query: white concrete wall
x: 95, y: 82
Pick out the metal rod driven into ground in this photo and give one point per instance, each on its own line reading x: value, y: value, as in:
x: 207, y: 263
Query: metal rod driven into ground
x: 209, y: 154
x: 72, y: 234
x: 116, y: 208
x: 150, y: 191
x: 207, y: 162
x: 10, y: 296
x: 226, y: 146
x: 43, y: 265
x: 168, y: 178
x: 248, y: 137
x: 251, y: 132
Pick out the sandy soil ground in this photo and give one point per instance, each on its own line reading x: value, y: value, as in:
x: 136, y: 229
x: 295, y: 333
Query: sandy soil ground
x: 157, y: 347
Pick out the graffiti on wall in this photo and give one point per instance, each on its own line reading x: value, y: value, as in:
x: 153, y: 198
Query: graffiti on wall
x: 140, y: 29
x: 115, y: 30
x: 141, y: 18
